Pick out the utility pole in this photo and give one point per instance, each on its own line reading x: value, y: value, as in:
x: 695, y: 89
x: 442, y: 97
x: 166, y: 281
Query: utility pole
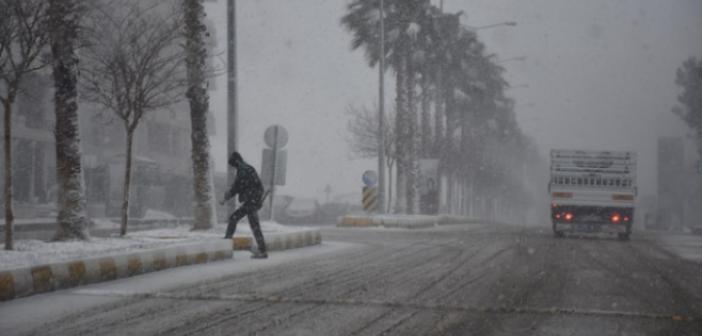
x: 381, y: 114
x: 274, y: 167
x: 232, y: 117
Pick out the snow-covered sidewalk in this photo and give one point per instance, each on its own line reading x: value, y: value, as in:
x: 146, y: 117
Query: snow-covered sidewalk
x: 38, y: 267
x: 29, y: 253
x: 686, y: 246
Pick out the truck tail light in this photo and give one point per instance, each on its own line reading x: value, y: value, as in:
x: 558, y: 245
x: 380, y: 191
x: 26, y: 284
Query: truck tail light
x: 568, y: 216
x: 616, y: 218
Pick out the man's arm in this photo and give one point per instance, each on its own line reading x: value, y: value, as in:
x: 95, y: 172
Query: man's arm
x: 231, y: 192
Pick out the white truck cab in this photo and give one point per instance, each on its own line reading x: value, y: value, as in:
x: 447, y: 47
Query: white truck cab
x: 592, y: 192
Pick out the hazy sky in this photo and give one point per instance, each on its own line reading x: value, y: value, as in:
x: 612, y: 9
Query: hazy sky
x: 600, y: 75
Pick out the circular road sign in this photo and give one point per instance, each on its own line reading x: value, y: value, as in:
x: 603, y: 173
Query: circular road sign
x: 270, y: 137
x: 370, y: 178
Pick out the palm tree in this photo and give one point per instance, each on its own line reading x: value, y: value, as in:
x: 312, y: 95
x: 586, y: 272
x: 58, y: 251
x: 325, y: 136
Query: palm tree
x: 482, y: 86
x: 196, y: 55
x: 402, y: 23
x: 459, y: 78
x: 430, y: 48
x: 434, y: 43
x: 64, y: 22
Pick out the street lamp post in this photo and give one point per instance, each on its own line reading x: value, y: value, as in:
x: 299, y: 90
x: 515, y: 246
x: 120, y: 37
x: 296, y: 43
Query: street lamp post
x: 381, y: 114
x: 232, y: 118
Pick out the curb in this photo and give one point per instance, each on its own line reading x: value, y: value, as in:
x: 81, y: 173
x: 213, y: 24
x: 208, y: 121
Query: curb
x: 280, y: 241
x: 404, y: 221
x: 27, y: 281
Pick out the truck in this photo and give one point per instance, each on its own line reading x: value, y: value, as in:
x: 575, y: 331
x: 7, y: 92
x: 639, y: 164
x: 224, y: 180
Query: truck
x: 592, y: 192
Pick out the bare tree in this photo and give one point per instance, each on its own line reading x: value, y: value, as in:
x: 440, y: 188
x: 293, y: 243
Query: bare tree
x: 195, y: 33
x: 23, y: 37
x: 133, y: 66
x: 363, y: 138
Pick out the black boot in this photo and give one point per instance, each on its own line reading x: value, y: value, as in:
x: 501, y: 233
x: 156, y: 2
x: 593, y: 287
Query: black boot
x: 258, y: 253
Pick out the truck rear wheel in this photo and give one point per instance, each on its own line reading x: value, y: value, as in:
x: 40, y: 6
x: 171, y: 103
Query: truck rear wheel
x: 557, y: 234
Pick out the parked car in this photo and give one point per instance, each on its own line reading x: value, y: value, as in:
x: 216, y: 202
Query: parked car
x: 280, y: 203
x: 301, y: 210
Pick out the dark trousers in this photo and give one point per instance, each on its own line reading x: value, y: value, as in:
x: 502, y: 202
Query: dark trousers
x: 249, y: 210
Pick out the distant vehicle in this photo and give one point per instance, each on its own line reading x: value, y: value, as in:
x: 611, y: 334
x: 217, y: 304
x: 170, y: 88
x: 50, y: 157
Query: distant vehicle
x: 592, y: 191
x: 279, y: 204
x: 301, y: 210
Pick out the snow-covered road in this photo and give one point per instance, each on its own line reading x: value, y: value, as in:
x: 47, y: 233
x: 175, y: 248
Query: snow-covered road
x: 451, y: 280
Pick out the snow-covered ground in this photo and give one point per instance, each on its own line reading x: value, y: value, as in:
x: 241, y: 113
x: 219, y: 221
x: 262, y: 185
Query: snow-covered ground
x: 36, y: 252
x: 684, y: 245
x: 19, y: 316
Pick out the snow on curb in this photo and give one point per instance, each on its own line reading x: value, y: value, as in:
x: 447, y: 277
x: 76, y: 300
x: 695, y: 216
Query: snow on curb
x: 281, y: 241
x: 402, y: 221
x: 37, y: 267
x: 27, y: 281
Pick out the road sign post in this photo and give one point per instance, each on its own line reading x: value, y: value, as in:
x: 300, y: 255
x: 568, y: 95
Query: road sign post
x: 272, y: 171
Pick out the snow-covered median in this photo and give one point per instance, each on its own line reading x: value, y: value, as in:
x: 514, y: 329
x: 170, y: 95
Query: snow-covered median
x: 34, y: 252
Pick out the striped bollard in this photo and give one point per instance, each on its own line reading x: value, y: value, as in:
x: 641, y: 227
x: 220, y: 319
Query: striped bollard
x: 370, y: 197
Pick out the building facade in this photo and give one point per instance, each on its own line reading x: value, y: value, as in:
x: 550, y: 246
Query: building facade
x: 679, y: 186
x: 161, y: 158
x: 161, y: 166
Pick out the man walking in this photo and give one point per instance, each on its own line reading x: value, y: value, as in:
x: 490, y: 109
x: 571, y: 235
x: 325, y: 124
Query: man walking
x: 250, y: 190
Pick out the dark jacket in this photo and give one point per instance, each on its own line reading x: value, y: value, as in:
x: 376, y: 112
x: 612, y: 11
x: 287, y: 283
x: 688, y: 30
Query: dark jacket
x: 247, y: 185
